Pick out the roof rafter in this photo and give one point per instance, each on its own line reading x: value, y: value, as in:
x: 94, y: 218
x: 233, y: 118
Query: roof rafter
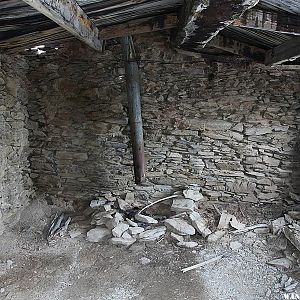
x: 69, y: 15
x: 208, y: 18
x: 237, y: 47
x: 288, y: 51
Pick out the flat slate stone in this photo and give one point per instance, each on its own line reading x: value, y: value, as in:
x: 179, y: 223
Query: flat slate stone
x: 180, y: 226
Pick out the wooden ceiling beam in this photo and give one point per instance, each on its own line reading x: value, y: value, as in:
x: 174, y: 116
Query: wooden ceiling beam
x: 291, y: 6
x: 288, y: 51
x: 139, y: 26
x: 208, y: 18
x: 69, y: 15
x: 239, y: 48
x: 270, y: 21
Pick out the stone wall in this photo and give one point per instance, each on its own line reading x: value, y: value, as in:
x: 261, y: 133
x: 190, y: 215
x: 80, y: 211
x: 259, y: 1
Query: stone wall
x: 15, y: 183
x: 231, y: 129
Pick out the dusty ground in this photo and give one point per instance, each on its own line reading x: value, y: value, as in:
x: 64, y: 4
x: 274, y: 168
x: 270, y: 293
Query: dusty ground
x: 30, y: 269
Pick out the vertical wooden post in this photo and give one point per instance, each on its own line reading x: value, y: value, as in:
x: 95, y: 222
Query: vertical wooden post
x: 134, y: 108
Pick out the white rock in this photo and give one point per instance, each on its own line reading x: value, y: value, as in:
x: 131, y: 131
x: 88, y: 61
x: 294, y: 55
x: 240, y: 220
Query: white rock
x: 180, y: 226
x: 153, y: 234
x: 183, y: 205
x: 124, y: 205
x: 192, y: 194
x: 144, y: 260
x: 215, y: 236
x: 122, y: 241
x: 281, y: 262
x: 136, y: 230
x: 126, y: 236
x: 97, y: 203
x: 277, y: 225
x: 97, y: 234
x: 187, y: 244
x: 129, y: 198
x: 200, y: 224
x: 235, y: 245
x: 145, y: 219
x: 131, y: 223
x: 116, y: 219
x: 119, y: 229
x: 177, y: 237
x: 236, y: 224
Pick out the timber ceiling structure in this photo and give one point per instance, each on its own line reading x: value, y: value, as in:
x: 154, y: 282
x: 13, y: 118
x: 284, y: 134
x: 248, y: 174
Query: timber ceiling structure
x: 266, y: 31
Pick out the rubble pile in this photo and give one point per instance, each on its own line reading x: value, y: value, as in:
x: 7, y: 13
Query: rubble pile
x: 286, y: 232
x: 124, y: 222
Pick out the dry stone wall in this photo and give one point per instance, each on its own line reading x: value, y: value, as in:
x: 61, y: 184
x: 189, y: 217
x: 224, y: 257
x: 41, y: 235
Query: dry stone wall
x: 15, y: 183
x: 231, y: 129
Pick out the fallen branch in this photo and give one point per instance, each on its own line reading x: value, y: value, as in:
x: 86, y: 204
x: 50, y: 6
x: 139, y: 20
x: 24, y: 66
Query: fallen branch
x: 157, y: 201
x: 246, y: 229
x: 204, y: 263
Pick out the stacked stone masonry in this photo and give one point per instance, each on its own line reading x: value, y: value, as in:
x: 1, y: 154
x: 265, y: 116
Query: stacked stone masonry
x: 231, y: 129
x: 15, y: 183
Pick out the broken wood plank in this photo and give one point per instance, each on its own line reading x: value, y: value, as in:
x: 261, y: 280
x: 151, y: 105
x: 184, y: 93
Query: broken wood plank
x: 270, y: 21
x: 69, y: 15
x: 202, y: 264
x: 208, y: 18
x: 237, y: 47
x: 288, y: 51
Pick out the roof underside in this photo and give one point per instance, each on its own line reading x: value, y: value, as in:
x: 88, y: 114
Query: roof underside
x: 21, y: 26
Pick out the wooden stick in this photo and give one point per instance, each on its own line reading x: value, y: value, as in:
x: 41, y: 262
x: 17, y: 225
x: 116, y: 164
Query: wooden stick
x: 250, y: 228
x: 157, y: 201
x: 204, y: 263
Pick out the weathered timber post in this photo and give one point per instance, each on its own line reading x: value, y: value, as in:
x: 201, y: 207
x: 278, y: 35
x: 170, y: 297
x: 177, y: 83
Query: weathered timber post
x: 134, y: 108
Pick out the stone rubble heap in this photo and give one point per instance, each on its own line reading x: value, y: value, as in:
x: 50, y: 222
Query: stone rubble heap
x: 287, y: 232
x: 121, y: 221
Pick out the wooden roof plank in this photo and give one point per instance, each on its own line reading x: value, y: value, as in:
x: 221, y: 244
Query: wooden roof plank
x: 208, y: 18
x: 69, y: 15
x: 288, y: 51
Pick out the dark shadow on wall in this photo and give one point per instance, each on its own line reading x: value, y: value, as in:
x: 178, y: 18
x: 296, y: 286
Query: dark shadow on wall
x: 78, y: 134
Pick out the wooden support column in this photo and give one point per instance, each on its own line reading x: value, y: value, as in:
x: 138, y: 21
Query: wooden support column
x: 134, y: 108
x: 69, y: 15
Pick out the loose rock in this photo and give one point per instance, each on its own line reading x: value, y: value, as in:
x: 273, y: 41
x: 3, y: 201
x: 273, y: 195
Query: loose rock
x: 187, y: 244
x: 97, y: 234
x: 153, y: 234
x: 183, y: 205
x: 200, y: 224
x: 180, y: 226
x: 192, y: 194
x: 145, y: 219
x: 215, y: 236
x: 136, y: 230
x: 119, y: 229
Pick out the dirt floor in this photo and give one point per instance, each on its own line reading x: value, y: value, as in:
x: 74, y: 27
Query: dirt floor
x: 76, y: 269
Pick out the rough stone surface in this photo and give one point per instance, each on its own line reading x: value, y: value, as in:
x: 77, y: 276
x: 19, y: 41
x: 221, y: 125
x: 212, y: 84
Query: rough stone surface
x: 119, y: 229
x: 215, y: 236
x: 97, y: 234
x: 200, y: 224
x: 145, y: 219
x: 153, y: 234
x: 240, y: 139
x: 121, y: 241
x: 180, y: 226
x: 15, y: 183
x: 183, y: 205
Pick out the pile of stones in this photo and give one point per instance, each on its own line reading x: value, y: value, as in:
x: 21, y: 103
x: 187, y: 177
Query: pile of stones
x: 122, y: 222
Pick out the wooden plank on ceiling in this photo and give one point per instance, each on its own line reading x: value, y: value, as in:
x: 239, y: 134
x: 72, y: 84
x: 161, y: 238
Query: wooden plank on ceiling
x: 269, y: 20
x: 288, y: 51
x: 237, y: 47
x: 56, y: 35
x: 69, y: 15
x: 208, y: 18
x: 291, y: 6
